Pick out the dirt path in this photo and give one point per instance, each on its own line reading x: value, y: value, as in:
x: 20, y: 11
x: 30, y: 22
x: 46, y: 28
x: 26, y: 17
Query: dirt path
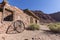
x: 43, y: 34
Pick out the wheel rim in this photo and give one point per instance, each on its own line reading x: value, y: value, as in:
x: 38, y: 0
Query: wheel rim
x: 19, y: 26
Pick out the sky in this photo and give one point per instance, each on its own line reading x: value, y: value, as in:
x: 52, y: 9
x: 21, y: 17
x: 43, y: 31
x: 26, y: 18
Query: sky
x: 47, y: 6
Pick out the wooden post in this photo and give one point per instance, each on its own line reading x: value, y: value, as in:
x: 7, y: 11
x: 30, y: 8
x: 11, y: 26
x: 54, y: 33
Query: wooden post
x: 3, y: 3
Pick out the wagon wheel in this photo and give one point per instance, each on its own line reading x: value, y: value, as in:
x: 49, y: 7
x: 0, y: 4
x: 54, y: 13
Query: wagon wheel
x: 17, y: 26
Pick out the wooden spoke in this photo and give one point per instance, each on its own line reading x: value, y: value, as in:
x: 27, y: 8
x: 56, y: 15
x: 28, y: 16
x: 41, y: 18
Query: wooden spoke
x: 17, y: 26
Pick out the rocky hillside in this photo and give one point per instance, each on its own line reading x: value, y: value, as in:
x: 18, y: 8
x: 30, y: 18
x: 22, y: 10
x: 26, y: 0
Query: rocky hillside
x: 45, y: 18
x: 56, y: 16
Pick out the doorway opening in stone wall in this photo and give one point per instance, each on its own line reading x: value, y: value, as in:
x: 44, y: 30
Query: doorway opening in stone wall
x: 31, y: 19
x: 36, y: 21
x: 8, y: 16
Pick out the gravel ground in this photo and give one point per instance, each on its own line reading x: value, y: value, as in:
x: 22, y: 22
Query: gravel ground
x: 42, y: 34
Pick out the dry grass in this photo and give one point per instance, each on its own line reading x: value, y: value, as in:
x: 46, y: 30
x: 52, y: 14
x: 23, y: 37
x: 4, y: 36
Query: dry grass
x: 55, y: 27
x: 33, y: 27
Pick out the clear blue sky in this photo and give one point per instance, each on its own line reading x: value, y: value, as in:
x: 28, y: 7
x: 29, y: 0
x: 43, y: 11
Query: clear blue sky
x: 47, y: 6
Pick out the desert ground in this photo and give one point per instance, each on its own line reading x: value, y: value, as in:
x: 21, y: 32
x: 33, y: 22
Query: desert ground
x: 42, y: 34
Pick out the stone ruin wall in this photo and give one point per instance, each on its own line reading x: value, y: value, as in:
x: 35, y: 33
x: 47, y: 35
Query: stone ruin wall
x: 18, y: 15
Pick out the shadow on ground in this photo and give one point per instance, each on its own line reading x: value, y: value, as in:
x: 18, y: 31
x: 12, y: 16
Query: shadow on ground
x: 50, y: 32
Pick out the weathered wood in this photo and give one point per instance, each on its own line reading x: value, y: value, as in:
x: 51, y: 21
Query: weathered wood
x: 17, y: 26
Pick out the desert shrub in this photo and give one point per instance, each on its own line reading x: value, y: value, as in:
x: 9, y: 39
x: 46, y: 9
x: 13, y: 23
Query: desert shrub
x: 33, y: 27
x: 54, y: 27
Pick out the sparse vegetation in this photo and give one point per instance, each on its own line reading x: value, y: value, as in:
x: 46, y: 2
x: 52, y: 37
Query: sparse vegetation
x: 33, y: 27
x: 54, y: 27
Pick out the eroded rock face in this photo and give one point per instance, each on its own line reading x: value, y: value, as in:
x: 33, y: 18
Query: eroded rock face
x: 44, y: 18
x: 56, y: 16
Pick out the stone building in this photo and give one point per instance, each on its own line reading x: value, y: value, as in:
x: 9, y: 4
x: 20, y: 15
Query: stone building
x: 9, y: 14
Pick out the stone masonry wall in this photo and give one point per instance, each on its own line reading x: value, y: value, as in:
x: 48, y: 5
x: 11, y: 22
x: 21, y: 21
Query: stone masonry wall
x: 17, y: 15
